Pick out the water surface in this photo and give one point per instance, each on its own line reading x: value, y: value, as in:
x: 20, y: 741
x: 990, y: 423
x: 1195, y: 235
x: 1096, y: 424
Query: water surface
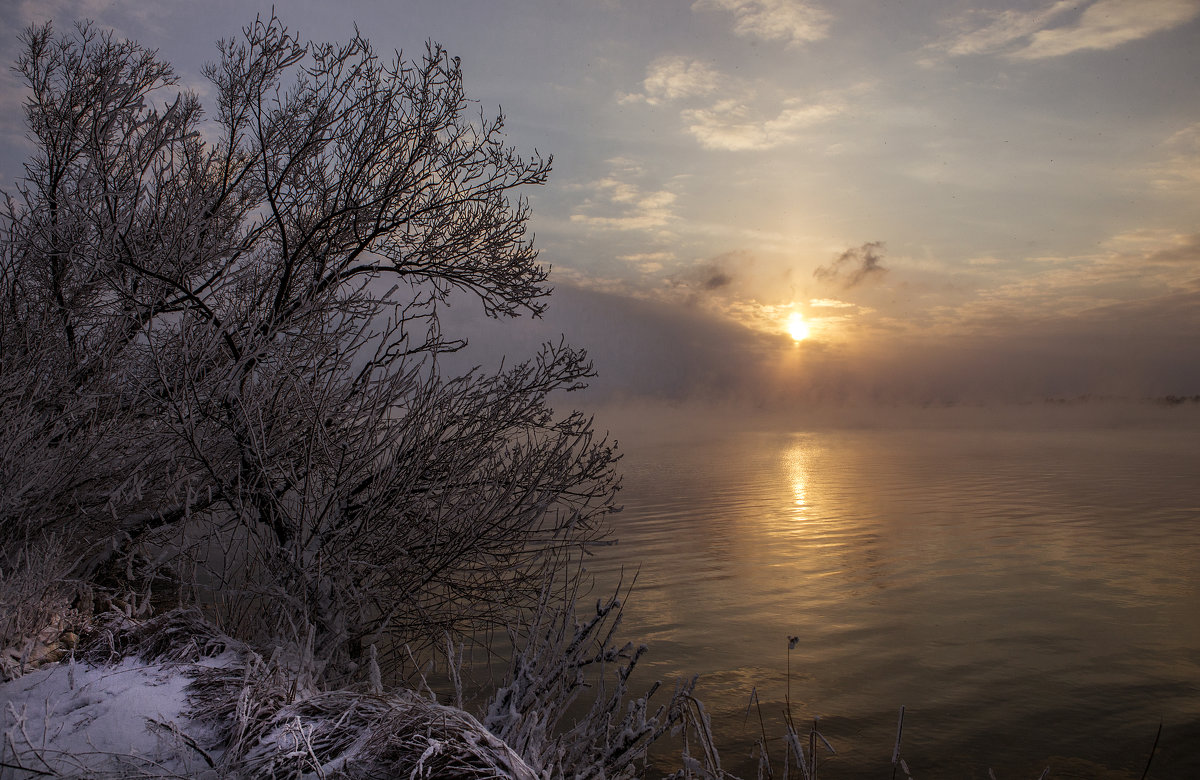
x: 1029, y: 591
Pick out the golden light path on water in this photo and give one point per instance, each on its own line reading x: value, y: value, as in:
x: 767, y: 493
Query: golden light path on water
x: 794, y: 458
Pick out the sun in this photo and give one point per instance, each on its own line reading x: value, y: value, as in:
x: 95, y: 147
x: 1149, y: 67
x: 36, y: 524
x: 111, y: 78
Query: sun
x: 797, y: 327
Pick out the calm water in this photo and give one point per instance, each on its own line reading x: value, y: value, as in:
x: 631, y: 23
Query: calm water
x: 1030, y: 593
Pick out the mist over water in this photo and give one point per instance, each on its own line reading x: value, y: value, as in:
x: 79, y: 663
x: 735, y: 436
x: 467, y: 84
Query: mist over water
x: 1024, y: 581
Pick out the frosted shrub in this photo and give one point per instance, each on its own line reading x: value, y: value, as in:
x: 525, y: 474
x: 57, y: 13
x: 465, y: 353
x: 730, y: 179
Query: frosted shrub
x: 34, y: 604
x: 219, y: 333
x: 220, y: 390
x: 560, y: 657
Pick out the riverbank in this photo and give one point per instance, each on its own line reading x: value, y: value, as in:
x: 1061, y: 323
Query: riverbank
x: 174, y: 697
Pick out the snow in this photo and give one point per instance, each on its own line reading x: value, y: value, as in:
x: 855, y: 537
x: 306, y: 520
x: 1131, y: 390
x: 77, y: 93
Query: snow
x: 206, y: 706
x: 171, y: 696
x: 108, y: 720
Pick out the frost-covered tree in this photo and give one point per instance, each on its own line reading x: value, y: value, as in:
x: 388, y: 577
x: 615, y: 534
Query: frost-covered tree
x: 219, y: 341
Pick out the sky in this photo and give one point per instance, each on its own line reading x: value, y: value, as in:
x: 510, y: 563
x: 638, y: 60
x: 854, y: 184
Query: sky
x: 963, y: 201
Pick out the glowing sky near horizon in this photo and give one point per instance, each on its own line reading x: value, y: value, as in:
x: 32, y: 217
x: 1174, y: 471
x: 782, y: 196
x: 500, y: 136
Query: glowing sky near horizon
x: 937, y: 176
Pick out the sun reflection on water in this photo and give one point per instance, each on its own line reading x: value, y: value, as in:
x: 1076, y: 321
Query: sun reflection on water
x: 798, y: 476
x: 911, y: 562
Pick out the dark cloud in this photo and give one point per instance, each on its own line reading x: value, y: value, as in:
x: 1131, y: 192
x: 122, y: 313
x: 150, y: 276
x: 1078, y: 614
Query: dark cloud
x: 716, y: 280
x: 722, y: 272
x: 854, y: 266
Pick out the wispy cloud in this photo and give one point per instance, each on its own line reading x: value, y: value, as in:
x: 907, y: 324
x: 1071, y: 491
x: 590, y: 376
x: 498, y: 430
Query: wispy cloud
x: 132, y: 19
x: 1133, y: 268
x: 620, y: 203
x: 1028, y: 35
x: 1181, y: 169
x: 648, y: 262
x: 1171, y: 254
x: 1109, y: 23
x: 728, y: 113
x: 983, y: 32
x: 791, y: 21
x: 732, y: 126
x: 674, y: 78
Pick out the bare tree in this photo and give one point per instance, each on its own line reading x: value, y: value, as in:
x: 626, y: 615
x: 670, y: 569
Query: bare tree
x: 219, y: 340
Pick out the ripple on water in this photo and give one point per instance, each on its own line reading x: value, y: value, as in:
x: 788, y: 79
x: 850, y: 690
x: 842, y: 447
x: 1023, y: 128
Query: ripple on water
x: 1030, y: 588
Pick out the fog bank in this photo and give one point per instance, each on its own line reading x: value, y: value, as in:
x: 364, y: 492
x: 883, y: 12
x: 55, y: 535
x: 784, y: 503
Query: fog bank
x: 651, y: 351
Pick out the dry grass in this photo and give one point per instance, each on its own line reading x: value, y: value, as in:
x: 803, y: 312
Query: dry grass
x: 264, y: 716
x: 35, y: 598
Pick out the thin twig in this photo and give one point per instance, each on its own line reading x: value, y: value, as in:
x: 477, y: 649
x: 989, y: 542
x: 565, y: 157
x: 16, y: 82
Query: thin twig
x: 187, y: 740
x: 896, y: 750
x: 6, y: 765
x: 1146, y: 771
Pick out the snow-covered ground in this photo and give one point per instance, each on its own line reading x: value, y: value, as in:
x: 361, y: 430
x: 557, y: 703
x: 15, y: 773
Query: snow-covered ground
x: 77, y: 719
x: 170, y: 697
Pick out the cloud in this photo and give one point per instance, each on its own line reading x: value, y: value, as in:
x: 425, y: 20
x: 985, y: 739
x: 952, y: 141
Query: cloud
x: 1001, y: 28
x: 1103, y: 25
x: 854, y: 266
x: 133, y: 21
x: 773, y: 20
x: 716, y: 280
x: 724, y: 112
x: 721, y: 273
x: 729, y: 124
x: 1181, y: 169
x: 642, y: 257
x: 1109, y: 23
x: 674, y: 78
x: 1120, y: 321
x: 623, y: 204
x: 1147, y: 271
x: 648, y: 262
x: 656, y: 349
x: 40, y: 11
x: 1154, y: 247
x: 740, y: 287
x: 1185, y: 251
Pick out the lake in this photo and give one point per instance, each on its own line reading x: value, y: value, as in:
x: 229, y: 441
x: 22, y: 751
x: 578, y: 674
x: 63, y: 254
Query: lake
x: 1027, y: 585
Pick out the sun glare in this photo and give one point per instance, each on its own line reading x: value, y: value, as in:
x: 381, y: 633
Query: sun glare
x: 797, y: 327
